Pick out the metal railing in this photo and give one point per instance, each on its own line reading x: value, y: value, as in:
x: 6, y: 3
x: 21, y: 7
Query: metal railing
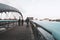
x: 39, y: 35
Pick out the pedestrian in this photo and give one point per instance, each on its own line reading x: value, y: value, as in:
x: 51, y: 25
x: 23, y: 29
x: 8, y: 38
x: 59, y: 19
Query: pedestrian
x: 27, y: 21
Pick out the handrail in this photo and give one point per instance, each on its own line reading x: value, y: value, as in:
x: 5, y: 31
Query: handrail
x: 39, y: 32
x: 42, y: 27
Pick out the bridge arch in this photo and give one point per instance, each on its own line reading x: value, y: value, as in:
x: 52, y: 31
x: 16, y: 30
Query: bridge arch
x: 6, y: 8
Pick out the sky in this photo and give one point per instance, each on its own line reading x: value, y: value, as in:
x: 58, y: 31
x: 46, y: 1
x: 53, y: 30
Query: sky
x: 36, y: 8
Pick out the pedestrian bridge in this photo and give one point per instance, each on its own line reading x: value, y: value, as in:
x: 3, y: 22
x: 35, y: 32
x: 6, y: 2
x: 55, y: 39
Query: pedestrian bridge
x: 9, y: 29
x: 37, y: 30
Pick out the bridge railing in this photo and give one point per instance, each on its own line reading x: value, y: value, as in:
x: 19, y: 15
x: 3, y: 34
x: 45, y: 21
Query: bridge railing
x: 39, y: 33
x: 7, y: 24
x: 37, y: 36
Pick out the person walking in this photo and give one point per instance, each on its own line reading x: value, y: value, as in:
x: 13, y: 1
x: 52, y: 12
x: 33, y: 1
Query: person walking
x: 27, y: 21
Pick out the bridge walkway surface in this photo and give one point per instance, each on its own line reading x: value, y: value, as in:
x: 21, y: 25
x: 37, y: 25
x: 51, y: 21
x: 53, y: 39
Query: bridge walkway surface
x: 18, y: 33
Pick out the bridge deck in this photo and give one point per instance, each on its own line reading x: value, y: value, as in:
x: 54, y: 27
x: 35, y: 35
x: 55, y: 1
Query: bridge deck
x: 18, y: 33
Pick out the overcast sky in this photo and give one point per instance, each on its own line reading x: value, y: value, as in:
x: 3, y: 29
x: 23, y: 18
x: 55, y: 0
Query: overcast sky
x: 36, y: 8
